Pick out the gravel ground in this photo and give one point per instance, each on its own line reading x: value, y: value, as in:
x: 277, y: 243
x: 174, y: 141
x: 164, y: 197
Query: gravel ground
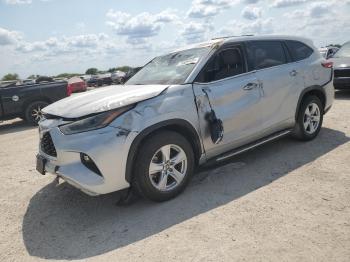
x: 284, y: 201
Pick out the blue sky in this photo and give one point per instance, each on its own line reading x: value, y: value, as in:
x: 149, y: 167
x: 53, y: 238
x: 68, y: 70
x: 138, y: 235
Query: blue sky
x: 48, y: 37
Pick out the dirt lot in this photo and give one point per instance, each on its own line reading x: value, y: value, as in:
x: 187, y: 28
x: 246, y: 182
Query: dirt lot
x: 285, y: 201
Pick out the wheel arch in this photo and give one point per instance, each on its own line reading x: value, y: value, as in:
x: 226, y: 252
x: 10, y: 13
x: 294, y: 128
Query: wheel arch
x: 35, y: 99
x: 180, y: 126
x: 312, y: 90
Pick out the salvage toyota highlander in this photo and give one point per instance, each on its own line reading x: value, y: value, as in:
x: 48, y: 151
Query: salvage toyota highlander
x: 204, y: 103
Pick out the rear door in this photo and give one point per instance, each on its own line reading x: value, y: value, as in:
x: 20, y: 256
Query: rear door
x: 281, y: 82
x: 234, y: 95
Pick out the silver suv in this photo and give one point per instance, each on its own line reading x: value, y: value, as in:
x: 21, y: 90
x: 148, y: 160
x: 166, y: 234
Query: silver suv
x: 204, y: 103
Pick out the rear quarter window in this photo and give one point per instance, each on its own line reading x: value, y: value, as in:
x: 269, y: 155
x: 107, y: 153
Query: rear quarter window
x: 298, y: 50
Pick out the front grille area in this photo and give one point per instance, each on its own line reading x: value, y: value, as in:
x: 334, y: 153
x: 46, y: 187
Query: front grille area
x: 47, y: 145
x: 342, y: 72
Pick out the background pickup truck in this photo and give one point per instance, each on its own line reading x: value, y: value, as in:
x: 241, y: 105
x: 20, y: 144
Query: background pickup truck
x: 26, y: 101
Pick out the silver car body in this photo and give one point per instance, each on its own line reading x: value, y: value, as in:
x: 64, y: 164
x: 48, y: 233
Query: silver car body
x: 247, y: 115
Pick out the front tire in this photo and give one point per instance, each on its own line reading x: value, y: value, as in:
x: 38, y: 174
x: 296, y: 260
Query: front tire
x: 164, y: 166
x: 33, y: 112
x: 310, y: 119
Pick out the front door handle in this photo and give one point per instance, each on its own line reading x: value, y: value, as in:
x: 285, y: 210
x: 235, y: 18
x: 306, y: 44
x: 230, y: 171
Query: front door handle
x: 250, y: 86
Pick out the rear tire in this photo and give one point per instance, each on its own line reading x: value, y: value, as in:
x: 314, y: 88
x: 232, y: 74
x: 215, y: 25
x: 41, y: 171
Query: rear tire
x: 32, y: 113
x: 163, y: 167
x: 310, y: 119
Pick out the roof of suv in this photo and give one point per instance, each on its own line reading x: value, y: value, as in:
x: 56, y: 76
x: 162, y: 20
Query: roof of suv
x: 232, y: 39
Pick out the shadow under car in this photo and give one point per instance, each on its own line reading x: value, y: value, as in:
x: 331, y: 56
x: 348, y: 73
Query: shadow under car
x: 63, y: 223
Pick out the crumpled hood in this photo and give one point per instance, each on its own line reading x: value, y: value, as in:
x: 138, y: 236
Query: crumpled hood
x: 340, y: 62
x: 102, y: 99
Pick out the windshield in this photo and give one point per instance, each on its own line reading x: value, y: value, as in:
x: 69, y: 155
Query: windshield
x: 170, y: 69
x: 344, y: 51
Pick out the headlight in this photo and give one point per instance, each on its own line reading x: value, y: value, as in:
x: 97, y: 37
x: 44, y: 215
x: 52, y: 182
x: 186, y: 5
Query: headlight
x: 93, y: 122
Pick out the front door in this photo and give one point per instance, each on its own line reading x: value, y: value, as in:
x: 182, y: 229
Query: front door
x: 233, y: 94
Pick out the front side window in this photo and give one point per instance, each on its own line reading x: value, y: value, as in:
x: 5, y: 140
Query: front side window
x: 264, y: 54
x: 226, y: 63
x: 299, y: 51
x: 170, y: 69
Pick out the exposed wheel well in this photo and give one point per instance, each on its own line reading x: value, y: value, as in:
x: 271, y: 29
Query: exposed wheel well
x: 177, y: 125
x: 312, y: 91
x: 36, y: 99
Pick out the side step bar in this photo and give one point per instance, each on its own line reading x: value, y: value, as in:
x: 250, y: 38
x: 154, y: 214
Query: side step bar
x: 250, y: 146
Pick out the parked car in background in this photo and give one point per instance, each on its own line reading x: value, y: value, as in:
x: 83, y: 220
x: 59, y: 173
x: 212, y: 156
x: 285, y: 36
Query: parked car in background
x: 341, y: 61
x: 100, y: 80
x: 206, y: 102
x: 328, y: 52
x: 9, y: 83
x: 118, y: 77
x: 28, y: 81
x: 92, y: 81
x: 76, y: 84
x: 85, y: 77
x: 27, y: 101
x: 44, y: 79
x: 104, y: 79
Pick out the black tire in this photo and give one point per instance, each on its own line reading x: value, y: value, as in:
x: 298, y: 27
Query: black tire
x: 300, y: 132
x: 142, y: 183
x: 29, y: 112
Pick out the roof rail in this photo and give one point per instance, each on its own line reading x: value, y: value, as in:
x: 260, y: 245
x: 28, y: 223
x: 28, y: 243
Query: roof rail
x: 224, y: 37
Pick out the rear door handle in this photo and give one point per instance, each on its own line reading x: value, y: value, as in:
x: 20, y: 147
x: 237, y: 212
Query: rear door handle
x: 250, y: 86
x: 293, y: 72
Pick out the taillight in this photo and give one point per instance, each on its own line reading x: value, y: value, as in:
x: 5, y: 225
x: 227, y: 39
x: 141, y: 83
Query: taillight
x: 327, y: 64
x: 69, y: 89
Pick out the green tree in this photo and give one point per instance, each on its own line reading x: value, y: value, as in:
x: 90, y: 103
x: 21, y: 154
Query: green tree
x: 111, y: 70
x: 10, y: 77
x: 124, y: 68
x: 32, y: 77
x: 91, y: 71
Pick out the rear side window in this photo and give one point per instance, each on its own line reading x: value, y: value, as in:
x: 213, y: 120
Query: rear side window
x: 264, y: 54
x: 298, y: 50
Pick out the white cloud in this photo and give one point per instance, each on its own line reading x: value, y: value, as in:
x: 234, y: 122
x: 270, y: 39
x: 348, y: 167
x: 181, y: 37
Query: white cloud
x: 88, y: 40
x: 287, y: 3
x: 313, y: 11
x: 251, y: 13
x: 194, y: 32
x: 208, y: 8
x: 320, y: 21
x: 250, y: 1
x: 21, y: 2
x: 18, y: 2
x: 8, y: 37
x: 166, y: 16
x: 138, y: 28
x: 64, y: 45
x: 257, y: 27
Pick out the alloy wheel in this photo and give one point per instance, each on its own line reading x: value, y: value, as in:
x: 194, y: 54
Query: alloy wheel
x: 312, y: 118
x: 168, y: 167
x: 36, y: 113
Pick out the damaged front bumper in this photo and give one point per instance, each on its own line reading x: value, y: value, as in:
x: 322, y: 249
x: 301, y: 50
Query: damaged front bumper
x: 93, y: 161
